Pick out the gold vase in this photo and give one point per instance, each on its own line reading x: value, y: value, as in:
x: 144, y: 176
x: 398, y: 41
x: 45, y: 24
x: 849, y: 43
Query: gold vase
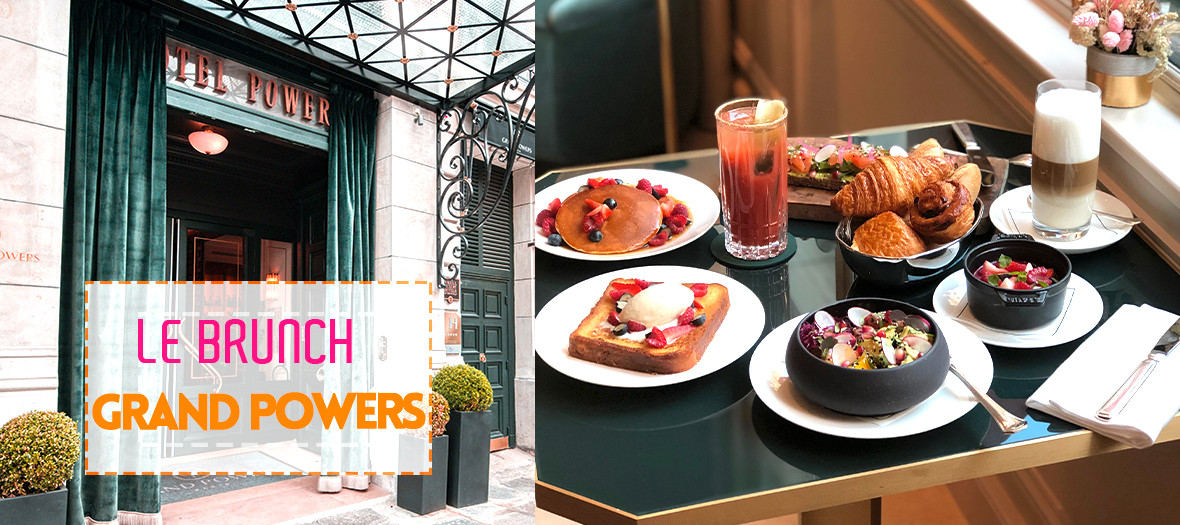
x: 1123, y: 78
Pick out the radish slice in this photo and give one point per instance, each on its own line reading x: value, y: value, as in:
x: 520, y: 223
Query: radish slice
x: 824, y: 319
x: 918, y: 344
x: 887, y: 349
x: 825, y: 152
x: 857, y: 315
x: 846, y: 338
x: 841, y: 353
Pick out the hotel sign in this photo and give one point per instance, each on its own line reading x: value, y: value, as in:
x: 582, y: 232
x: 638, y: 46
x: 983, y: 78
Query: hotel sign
x: 223, y: 79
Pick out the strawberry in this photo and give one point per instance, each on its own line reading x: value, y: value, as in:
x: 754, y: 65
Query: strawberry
x: 594, y: 182
x: 659, y: 239
x: 631, y: 288
x: 686, y: 317
x: 656, y: 339
x: 592, y: 204
x: 548, y: 226
x: 613, y: 319
x: 642, y: 283
x: 680, y: 209
x: 644, y: 185
x: 991, y: 269
x: 554, y: 205
x: 677, y: 223
x: 700, y: 289
x: 1017, y: 267
x: 659, y: 191
x: 635, y: 326
x: 673, y: 333
x: 591, y: 223
x: 607, y: 182
x: 1021, y: 285
x: 697, y: 304
x: 545, y: 214
x: 666, y: 208
x: 602, y: 210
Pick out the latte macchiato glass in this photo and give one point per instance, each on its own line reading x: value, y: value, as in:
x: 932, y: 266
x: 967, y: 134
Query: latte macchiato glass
x: 1067, y: 130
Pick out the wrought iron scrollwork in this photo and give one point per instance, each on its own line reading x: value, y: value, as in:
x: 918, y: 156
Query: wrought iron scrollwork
x: 463, y: 143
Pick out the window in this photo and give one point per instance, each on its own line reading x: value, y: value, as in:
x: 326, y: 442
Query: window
x: 1173, y: 6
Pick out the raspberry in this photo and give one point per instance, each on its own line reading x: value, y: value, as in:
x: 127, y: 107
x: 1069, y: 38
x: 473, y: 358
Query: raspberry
x: 548, y: 226
x: 699, y: 289
x: 643, y: 184
x: 591, y: 223
x: 635, y: 326
x: 659, y: 191
x: 686, y: 317
x: 657, y: 339
x: 677, y: 223
x: 659, y: 240
x: 544, y: 215
x: 642, y: 283
x: 680, y: 209
x: 613, y: 319
x: 607, y: 182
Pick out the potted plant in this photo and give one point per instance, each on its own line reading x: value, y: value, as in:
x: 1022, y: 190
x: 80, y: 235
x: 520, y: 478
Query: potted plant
x: 1128, y: 45
x: 469, y: 456
x: 426, y: 493
x: 38, y: 450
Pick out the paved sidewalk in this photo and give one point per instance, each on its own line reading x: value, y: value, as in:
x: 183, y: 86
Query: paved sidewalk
x: 511, y: 501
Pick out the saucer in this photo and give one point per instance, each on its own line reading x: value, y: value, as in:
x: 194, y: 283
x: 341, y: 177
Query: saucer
x: 1082, y: 312
x: 1010, y: 214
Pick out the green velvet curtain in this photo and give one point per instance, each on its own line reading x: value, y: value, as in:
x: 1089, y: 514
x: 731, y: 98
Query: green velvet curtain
x: 352, y: 154
x: 114, y: 209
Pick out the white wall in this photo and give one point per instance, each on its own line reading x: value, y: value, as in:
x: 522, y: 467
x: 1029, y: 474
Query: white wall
x: 523, y: 175
x: 34, y: 40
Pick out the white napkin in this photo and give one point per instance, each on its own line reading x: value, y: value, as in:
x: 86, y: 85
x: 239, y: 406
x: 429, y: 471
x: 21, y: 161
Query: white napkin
x: 1099, y: 367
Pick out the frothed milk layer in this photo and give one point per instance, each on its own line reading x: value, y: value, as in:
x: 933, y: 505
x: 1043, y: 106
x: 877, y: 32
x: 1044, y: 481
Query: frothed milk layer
x: 1068, y: 126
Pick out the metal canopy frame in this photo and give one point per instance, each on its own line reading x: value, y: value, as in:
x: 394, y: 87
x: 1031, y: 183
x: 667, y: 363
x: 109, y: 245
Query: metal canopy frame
x: 463, y: 143
x: 435, y: 52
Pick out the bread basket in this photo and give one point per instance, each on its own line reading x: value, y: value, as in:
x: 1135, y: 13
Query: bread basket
x: 900, y: 271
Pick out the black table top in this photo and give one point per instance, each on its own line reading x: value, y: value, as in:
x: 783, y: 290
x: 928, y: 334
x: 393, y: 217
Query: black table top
x: 648, y: 450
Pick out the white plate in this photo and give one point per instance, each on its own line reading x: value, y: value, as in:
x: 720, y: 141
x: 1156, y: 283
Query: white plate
x: 1010, y: 214
x: 701, y: 201
x: 768, y: 374
x: 562, y: 315
x: 1081, y: 313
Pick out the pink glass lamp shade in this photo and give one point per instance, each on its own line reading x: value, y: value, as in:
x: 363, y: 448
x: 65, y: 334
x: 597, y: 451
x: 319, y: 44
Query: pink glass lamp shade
x: 207, y: 141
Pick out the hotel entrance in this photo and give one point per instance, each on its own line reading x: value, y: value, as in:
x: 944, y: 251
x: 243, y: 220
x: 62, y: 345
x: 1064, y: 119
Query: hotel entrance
x: 252, y: 212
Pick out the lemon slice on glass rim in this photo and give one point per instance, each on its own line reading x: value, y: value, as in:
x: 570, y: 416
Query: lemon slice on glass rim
x: 769, y: 111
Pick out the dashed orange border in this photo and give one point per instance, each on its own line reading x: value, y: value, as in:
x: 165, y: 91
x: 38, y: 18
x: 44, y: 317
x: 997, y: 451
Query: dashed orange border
x: 86, y: 382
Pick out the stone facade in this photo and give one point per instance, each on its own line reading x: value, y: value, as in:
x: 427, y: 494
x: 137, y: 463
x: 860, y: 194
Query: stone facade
x: 34, y: 41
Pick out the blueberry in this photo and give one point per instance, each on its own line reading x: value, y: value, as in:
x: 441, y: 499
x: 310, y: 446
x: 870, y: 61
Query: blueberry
x: 699, y: 320
x: 765, y: 163
x: 611, y: 203
x: 595, y: 236
x: 655, y: 194
x: 618, y: 181
x: 555, y: 239
x: 620, y: 330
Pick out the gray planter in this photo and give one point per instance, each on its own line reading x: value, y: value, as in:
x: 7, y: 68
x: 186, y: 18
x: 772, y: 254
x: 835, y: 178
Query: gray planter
x: 425, y: 494
x: 469, y: 462
x: 46, y: 508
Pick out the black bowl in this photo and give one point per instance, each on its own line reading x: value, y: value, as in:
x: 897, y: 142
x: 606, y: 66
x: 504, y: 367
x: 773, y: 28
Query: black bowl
x: 868, y: 392
x: 1017, y: 309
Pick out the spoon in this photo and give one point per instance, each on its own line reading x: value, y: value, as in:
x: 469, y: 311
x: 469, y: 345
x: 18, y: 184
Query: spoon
x: 1009, y: 423
x: 1130, y: 221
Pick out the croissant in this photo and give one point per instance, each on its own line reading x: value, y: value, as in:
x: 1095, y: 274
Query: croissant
x: 886, y: 235
x: 889, y: 184
x: 928, y: 148
x: 943, y: 212
x: 967, y: 175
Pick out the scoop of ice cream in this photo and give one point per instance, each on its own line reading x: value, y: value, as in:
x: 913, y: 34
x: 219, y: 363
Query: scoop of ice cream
x: 659, y: 304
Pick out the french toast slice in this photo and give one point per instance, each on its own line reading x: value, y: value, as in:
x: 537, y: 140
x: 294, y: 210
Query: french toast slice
x: 594, y: 341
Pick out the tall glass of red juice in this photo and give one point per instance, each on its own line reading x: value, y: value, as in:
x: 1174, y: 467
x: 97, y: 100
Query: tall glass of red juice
x: 753, y: 177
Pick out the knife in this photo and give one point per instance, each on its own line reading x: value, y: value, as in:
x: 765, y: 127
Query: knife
x: 1168, y: 342
x: 991, y: 184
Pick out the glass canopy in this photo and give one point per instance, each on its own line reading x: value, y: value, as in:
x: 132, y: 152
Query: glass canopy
x: 439, y: 51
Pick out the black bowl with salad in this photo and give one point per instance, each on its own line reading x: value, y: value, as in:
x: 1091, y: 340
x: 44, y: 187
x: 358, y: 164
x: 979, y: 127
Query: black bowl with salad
x: 867, y: 356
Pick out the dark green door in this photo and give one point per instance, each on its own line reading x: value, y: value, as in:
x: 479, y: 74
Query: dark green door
x: 485, y: 291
